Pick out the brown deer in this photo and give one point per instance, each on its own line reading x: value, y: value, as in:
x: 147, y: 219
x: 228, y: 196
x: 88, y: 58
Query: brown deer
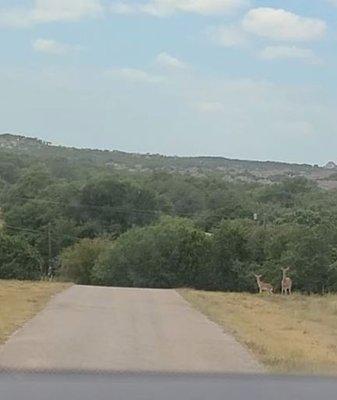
x: 286, y: 282
x: 263, y: 286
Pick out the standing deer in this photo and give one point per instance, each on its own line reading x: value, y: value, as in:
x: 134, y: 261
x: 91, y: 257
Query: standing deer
x: 286, y: 282
x: 263, y: 286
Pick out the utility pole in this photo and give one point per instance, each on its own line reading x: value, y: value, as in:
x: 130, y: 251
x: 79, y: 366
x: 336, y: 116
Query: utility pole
x: 49, y: 251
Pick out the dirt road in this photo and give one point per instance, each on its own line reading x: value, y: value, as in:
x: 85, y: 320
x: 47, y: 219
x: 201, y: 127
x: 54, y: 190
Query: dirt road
x: 116, y: 329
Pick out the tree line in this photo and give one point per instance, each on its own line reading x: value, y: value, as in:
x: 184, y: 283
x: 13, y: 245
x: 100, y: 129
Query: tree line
x: 96, y: 225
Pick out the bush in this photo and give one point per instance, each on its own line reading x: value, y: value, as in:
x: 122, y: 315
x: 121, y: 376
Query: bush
x: 172, y: 253
x: 18, y: 260
x: 232, y: 260
x: 78, y: 260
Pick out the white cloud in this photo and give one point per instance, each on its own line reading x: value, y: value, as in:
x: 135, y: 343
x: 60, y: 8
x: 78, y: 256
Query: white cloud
x: 50, y: 46
x: 122, y: 8
x: 165, y: 60
x: 18, y: 18
x: 210, y: 107
x: 160, y: 8
x: 282, y: 25
x: 289, y: 52
x: 227, y: 36
x: 43, y: 11
x: 134, y: 75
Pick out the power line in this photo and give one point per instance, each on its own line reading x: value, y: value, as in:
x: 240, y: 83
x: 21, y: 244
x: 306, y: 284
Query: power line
x: 23, y: 229
x: 39, y: 231
x: 118, y: 209
x: 114, y: 208
x: 46, y: 231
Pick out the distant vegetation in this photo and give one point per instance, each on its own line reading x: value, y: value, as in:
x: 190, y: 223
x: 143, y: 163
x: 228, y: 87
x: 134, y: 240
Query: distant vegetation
x: 112, y: 218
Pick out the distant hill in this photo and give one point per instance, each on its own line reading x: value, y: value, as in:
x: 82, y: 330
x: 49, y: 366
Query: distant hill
x: 230, y: 169
x: 330, y: 165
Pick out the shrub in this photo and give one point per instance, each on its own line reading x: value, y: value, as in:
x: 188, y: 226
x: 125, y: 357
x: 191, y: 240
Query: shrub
x: 18, y: 260
x: 171, y: 253
x: 78, y: 260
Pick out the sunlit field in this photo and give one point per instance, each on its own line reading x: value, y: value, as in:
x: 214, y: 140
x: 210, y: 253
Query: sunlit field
x: 295, y: 334
x: 20, y: 301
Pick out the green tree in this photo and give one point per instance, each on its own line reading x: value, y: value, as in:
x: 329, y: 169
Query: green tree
x: 231, y: 262
x: 18, y: 260
x: 115, y: 204
x: 171, y: 253
x: 77, y: 261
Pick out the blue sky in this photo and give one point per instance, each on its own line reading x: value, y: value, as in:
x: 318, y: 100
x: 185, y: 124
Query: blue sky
x: 246, y: 79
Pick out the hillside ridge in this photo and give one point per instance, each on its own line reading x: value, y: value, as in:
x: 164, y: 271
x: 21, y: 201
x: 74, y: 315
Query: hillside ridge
x: 230, y: 169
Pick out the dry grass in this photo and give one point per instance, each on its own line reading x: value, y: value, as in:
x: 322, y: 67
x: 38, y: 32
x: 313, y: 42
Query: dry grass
x: 296, y: 334
x: 20, y: 301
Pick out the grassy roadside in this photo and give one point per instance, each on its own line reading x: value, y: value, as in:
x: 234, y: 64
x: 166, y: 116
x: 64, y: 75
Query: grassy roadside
x: 296, y: 334
x: 20, y: 301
